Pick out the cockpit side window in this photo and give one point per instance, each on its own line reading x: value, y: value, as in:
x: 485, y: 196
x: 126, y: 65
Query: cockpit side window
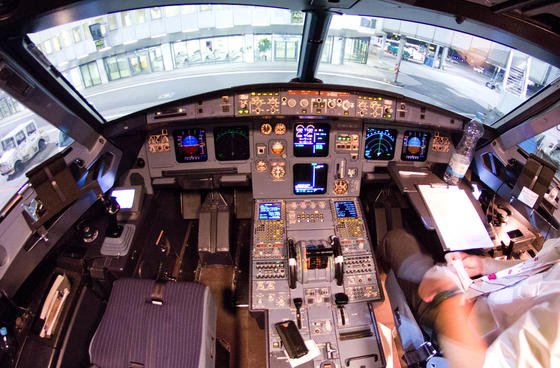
x: 545, y: 145
x: 20, y: 153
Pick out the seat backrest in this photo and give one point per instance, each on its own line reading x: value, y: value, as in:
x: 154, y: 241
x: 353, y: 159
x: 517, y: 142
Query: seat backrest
x: 178, y: 333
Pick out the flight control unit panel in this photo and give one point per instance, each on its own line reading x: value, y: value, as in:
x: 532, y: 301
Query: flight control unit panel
x: 313, y: 271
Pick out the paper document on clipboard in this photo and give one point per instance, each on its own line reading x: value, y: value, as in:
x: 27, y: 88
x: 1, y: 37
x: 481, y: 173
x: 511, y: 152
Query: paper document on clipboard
x: 457, y: 223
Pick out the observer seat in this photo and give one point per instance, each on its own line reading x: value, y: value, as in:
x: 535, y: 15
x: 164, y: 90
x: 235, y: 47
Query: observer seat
x: 151, y: 325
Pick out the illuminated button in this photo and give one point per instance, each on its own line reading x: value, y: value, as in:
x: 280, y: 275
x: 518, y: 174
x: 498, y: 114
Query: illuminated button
x: 266, y: 129
x: 261, y: 166
x: 277, y: 148
x: 278, y: 172
x: 280, y: 129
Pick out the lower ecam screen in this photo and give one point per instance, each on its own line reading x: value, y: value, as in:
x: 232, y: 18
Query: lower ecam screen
x: 269, y: 211
x: 310, y: 178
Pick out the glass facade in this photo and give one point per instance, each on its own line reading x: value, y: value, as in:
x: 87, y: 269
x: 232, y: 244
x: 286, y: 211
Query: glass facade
x: 8, y: 105
x: 90, y: 74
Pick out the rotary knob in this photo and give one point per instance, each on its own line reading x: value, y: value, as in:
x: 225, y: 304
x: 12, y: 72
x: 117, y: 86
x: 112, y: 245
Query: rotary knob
x: 340, y: 186
x: 277, y: 172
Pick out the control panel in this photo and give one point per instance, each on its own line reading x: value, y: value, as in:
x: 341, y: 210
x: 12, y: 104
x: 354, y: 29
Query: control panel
x: 289, y: 101
x: 294, y: 142
x: 313, y: 271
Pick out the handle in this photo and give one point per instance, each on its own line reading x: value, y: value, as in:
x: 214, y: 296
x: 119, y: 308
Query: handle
x: 338, y: 260
x: 292, y: 264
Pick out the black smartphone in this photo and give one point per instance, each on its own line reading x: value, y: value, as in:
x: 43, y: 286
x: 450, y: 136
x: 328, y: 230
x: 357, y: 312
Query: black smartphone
x: 291, y: 339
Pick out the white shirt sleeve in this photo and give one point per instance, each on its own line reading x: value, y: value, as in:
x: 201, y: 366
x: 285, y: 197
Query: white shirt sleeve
x: 532, y: 341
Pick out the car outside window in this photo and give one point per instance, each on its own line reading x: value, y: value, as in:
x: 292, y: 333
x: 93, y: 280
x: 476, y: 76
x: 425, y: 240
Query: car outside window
x: 20, y: 137
x: 30, y: 128
x: 8, y: 144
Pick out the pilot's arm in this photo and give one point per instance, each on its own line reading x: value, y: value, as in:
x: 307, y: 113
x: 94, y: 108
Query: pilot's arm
x: 461, y: 342
x: 528, y: 339
x: 479, y: 265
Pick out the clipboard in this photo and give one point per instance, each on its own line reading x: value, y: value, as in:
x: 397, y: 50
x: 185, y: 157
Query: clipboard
x: 457, y: 223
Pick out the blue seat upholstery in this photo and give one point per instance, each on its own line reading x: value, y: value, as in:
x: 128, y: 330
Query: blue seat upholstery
x: 134, y: 332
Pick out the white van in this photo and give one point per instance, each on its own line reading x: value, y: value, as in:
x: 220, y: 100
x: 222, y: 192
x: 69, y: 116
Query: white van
x: 19, y: 146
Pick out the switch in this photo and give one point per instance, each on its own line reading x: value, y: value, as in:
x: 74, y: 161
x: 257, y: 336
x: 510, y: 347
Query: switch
x: 329, y: 350
x: 297, y: 303
x: 341, y: 299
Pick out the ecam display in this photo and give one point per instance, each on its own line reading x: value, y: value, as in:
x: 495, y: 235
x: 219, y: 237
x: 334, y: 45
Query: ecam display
x: 311, y: 140
x: 310, y: 178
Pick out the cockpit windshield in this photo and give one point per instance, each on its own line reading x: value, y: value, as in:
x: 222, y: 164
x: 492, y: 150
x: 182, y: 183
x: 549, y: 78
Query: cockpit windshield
x: 178, y: 51
x: 472, y: 76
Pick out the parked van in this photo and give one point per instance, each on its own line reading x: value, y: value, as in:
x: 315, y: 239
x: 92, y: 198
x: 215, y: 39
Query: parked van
x: 19, y: 146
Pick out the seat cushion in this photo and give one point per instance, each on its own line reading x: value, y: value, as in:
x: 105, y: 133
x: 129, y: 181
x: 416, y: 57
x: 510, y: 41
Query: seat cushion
x: 135, y: 330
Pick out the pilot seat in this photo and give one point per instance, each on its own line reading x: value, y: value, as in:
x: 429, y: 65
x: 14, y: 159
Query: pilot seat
x: 151, y: 324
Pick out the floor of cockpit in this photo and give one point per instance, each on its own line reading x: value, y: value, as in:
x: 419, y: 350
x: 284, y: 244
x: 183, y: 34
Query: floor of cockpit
x: 170, y: 249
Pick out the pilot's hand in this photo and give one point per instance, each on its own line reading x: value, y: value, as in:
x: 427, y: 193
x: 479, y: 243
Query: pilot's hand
x: 474, y: 265
x: 436, y: 280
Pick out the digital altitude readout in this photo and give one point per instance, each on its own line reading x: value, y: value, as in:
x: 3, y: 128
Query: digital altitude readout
x: 232, y: 143
x: 311, y: 140
x: 190, y: 145
x: 415, y: 145
x: 270, y: 211
x: 345, y: 209
x: 380, y: 144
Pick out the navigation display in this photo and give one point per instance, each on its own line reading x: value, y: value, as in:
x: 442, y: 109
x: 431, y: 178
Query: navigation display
x: 190, y: 145
x: 311, y: 140
x: 415, y: 145
x: 380, y: 144
x: 345, y: 209
x: 232, y: 143
x: 270, y: 211
x: 310, y: 178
